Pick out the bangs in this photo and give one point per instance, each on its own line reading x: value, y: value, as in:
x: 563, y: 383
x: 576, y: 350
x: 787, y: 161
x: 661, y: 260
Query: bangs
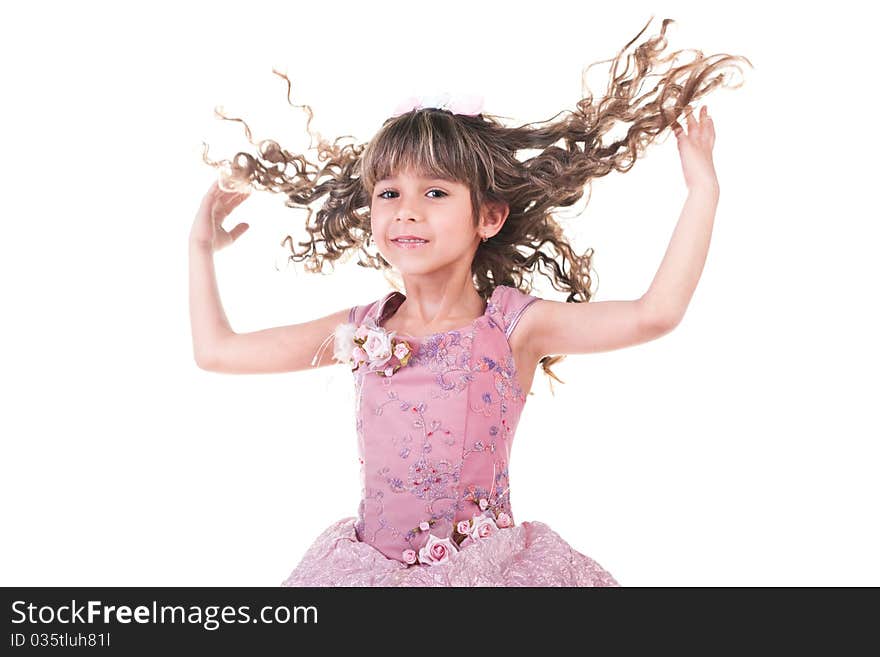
x: 429, y: 144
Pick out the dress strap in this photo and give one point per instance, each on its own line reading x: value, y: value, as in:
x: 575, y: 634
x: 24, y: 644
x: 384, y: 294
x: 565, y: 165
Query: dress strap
x: 507, y: 305
x: 358, y: 314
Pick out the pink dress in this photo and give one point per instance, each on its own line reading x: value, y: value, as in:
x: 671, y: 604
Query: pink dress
x: 434, y: 442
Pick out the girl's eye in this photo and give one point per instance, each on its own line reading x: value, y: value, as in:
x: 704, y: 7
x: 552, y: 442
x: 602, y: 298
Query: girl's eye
x: 439, y: 191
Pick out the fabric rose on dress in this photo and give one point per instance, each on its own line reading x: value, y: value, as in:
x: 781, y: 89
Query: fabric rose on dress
x: 483, y: 527
x: 464, y: 527
x: 378, y: 347
x: 437, y: 551
x: 368, y: 344
x: 503, y: 520
x: 359, y: 356
x: 409, y: 556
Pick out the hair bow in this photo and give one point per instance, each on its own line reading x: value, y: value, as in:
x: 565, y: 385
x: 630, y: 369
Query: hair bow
x: 467, y: 104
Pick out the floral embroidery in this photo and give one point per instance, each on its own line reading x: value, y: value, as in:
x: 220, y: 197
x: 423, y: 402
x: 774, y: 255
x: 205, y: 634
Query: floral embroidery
x: 371, y: 346
x: 481, y: 526
x: 429, y: 480
x: 490, y: 504
x: 448, y: 356
x: 434, y: 465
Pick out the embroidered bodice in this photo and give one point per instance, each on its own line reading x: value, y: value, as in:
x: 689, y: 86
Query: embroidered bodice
x: 435, y: 437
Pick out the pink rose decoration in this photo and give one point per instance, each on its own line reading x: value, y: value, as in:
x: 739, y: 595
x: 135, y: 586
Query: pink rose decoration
x: 409, y: 556
x: 503, y: 520
x: 424, y: 525
x: 484, y: 503
x: 437, y: 551
x: 464, y: 527
x: 368, y: 345
x: 359, y: 355
x: 484, y: 527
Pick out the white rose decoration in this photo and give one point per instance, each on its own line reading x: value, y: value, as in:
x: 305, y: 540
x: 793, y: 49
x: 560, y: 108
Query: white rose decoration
x: 378, y: 347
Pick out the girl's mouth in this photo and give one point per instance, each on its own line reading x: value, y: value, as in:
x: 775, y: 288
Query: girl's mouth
x: 406, y: 243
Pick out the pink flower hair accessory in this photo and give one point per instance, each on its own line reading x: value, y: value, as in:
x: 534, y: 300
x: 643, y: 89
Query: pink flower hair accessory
x: 465, y: 104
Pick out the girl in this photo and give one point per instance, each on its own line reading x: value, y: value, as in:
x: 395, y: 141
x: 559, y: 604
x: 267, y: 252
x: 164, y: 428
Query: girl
x: 442, y: 372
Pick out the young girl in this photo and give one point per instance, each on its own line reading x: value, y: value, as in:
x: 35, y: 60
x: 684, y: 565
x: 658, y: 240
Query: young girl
x: 442, y: 371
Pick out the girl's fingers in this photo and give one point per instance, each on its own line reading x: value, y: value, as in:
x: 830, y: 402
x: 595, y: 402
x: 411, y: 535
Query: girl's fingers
x: 236, y: 232
x: 691, y: 121
x: 230, y: 200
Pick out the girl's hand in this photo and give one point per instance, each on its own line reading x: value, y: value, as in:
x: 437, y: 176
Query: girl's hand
x: 695, y: 149
x: 216, y: 206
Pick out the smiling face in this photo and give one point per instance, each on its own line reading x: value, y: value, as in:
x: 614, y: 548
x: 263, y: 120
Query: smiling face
x: 434, y: 209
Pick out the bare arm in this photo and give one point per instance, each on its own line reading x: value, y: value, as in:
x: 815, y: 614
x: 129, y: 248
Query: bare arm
x: 207, y: 318
x: 567, y: 328
x: 553, y: 327
x: 678, y: 275
x: 216, y: 346
x: 280, y: 349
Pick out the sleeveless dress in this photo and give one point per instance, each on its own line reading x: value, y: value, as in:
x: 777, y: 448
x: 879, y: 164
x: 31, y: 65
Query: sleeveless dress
x: 434, y: 439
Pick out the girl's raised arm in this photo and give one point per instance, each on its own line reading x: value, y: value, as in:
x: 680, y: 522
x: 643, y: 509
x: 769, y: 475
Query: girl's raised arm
x: 216, y: 346
x: 569, y: 328
x: 279, y: 349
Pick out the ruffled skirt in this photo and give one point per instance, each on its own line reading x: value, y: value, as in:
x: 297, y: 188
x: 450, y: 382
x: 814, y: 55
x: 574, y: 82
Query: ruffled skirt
x: 527, y: 554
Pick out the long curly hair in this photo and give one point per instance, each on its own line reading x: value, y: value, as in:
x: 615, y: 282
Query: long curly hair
x: 481, y: 152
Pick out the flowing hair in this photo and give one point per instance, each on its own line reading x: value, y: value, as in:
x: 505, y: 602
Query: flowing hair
x: 480, y: 152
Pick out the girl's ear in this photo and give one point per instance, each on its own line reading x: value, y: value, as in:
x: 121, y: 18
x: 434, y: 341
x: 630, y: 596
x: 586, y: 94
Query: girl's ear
x: 494, y: 215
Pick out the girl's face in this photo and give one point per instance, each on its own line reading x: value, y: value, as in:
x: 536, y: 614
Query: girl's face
x: 433, y: 209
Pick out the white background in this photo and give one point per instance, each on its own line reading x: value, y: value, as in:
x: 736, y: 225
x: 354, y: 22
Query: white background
x: 740, y: 449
